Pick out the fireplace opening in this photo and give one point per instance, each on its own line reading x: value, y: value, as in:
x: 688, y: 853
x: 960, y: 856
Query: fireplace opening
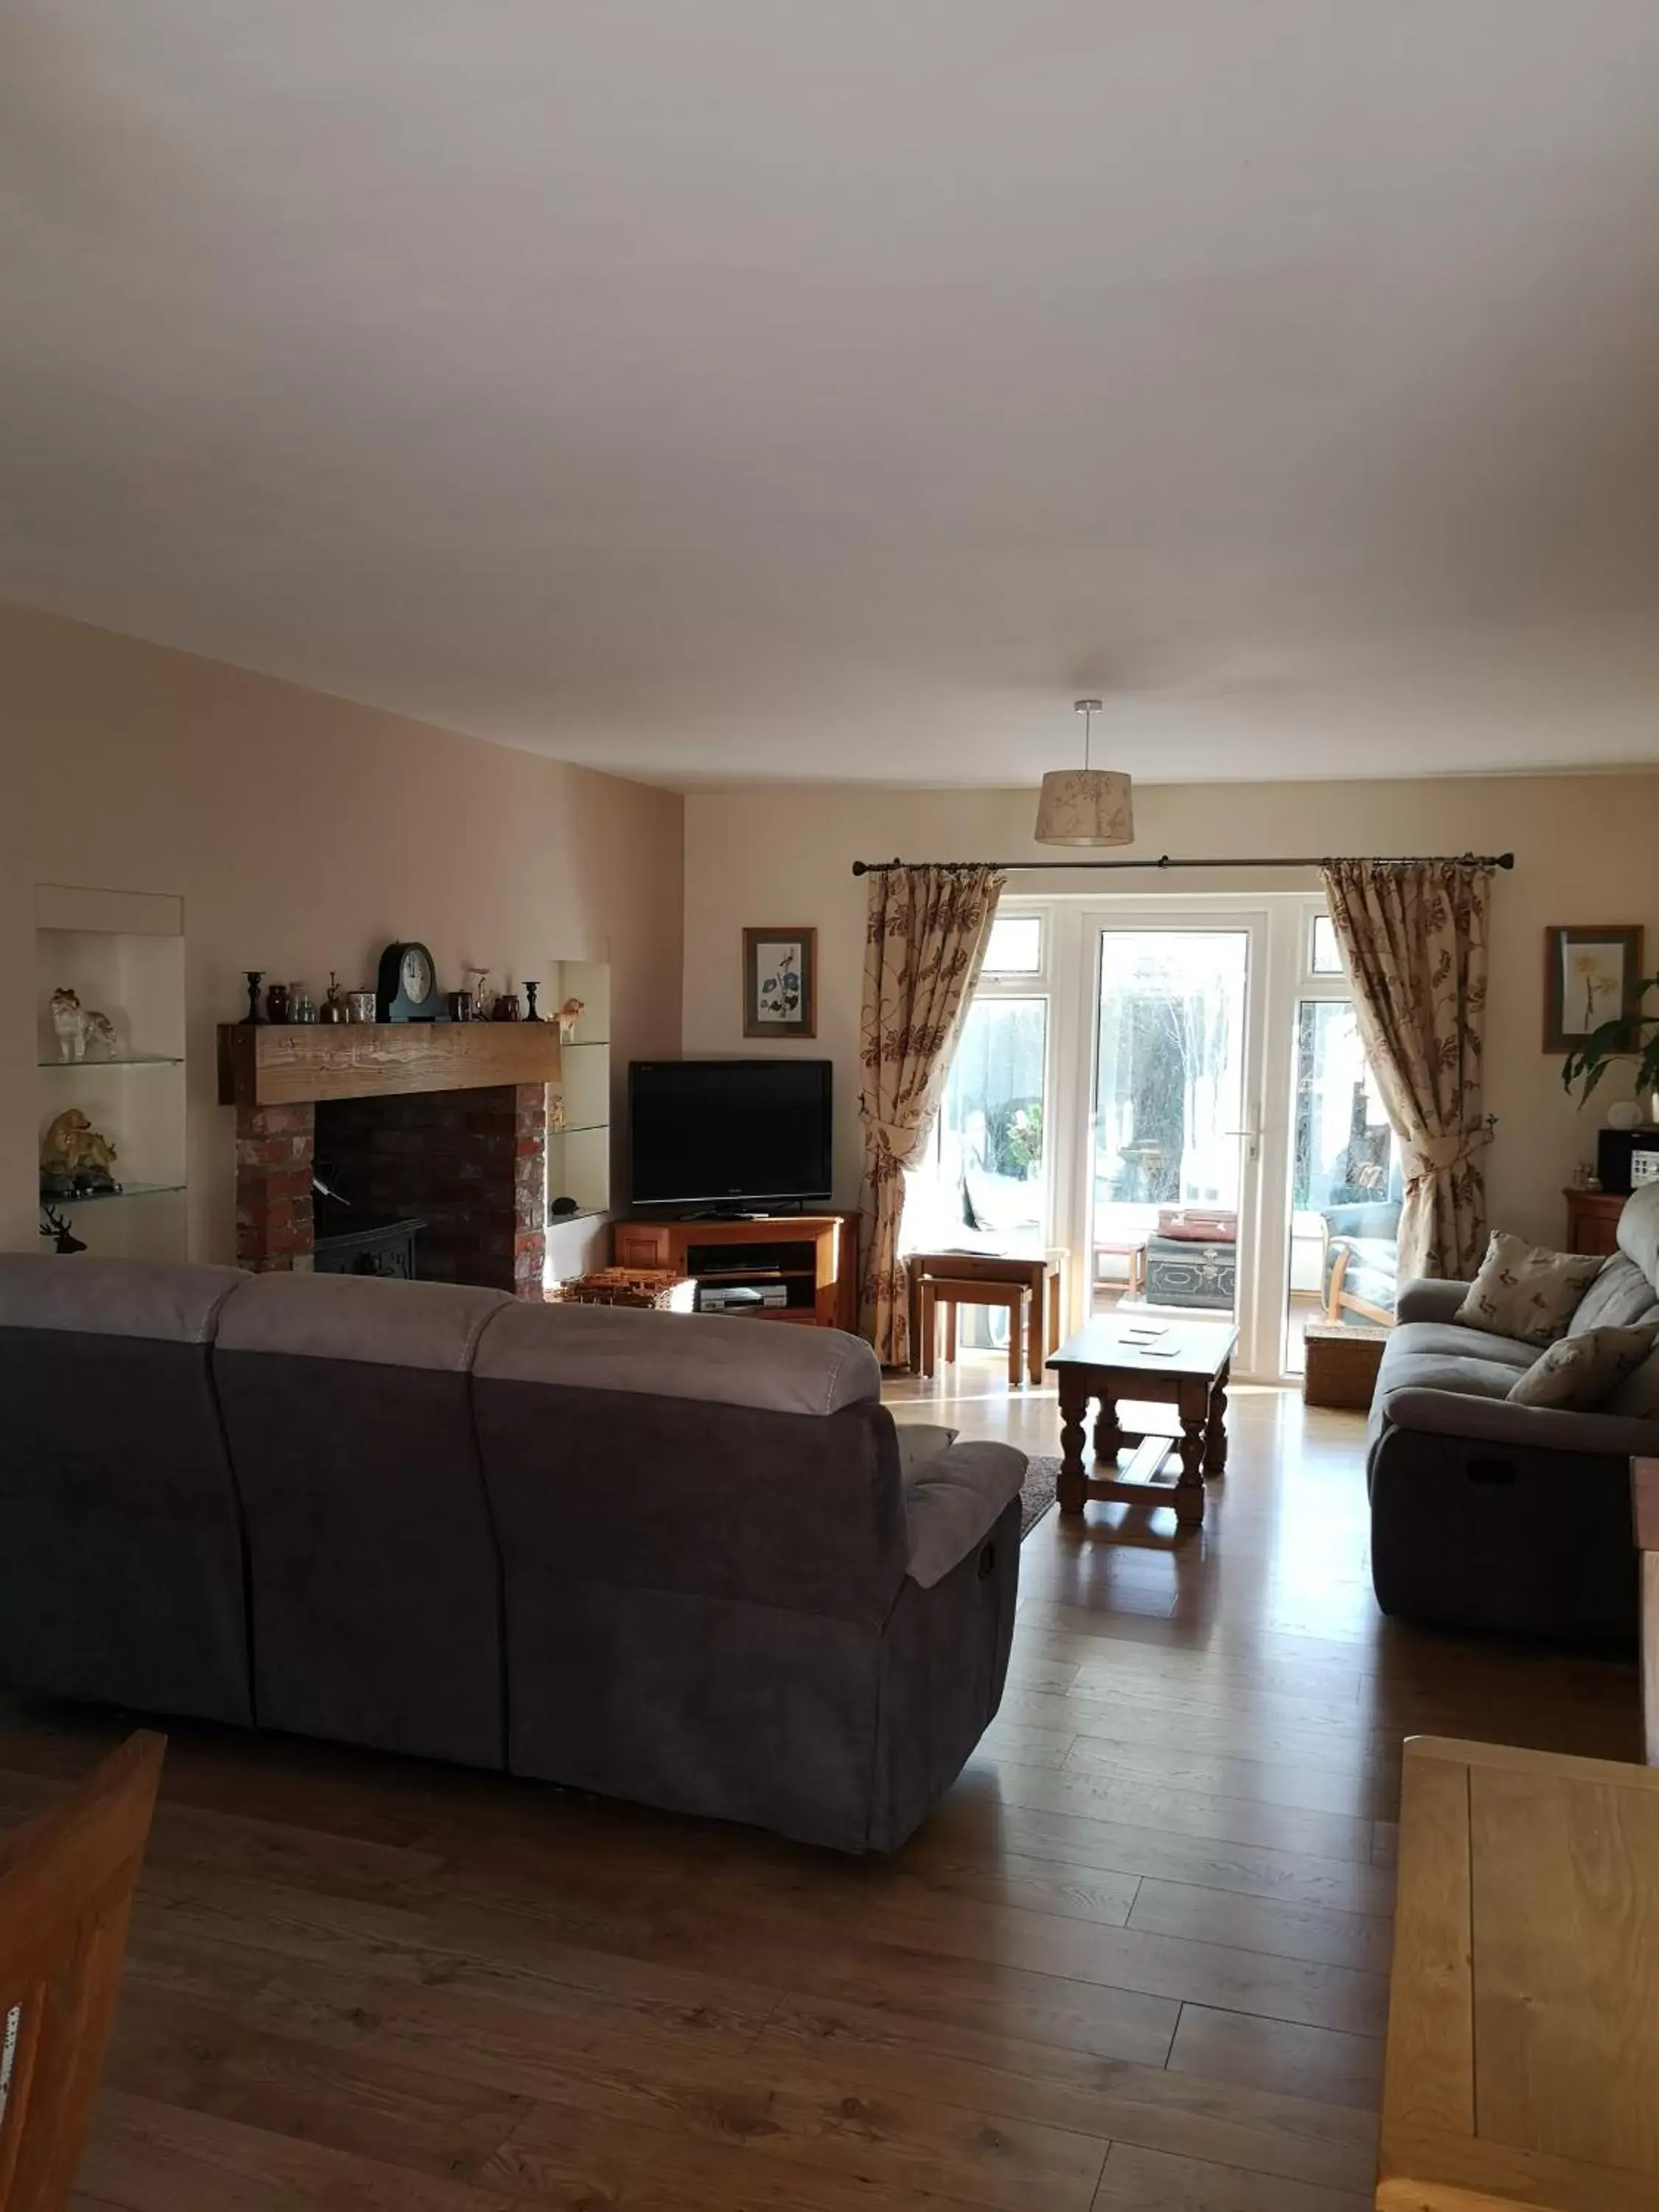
x: 450, y: 1186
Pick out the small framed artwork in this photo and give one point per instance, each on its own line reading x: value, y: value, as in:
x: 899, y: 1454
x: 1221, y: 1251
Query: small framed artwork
x: 779, y: 982
x: 1591, y: 975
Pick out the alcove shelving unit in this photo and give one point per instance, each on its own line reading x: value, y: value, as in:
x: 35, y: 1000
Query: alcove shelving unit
x: 123, y: 954
x: 579, y: 1136
x: 579, y: 1150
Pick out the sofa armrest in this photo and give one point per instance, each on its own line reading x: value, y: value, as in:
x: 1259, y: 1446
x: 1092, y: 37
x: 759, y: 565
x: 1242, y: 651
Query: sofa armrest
x: 953, y: 1502
x: 1499, y: 1422
x: 1429, y: 1298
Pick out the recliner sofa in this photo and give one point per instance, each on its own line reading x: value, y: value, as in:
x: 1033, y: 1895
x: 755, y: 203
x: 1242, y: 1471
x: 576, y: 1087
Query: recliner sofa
x: 672, y: 1557
x: 1494, y: 1515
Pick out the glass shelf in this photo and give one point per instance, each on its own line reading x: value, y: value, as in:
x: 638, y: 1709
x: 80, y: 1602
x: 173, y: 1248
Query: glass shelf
x: 584, y: 1044
x: 116, y: 1059
x: 106, y: 1197
x: 579, y: 1129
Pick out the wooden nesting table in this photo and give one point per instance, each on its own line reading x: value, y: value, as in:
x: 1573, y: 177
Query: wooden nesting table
x: 1523, y: 2003
x: 1032, y: 1288
x: 1185, y: 1365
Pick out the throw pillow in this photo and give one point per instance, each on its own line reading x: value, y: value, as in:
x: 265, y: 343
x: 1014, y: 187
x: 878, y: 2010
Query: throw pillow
x: 1582, y: 1372
x: 1526, y: 1291
x: 919, y: 1442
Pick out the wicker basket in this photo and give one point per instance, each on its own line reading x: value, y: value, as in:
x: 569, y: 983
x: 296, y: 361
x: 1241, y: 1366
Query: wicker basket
x: 1342, y: 1364
x: 659, y: 1289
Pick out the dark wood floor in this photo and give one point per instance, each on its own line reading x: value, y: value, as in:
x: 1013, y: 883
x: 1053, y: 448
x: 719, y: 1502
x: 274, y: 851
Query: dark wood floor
x: 1138, y: 1959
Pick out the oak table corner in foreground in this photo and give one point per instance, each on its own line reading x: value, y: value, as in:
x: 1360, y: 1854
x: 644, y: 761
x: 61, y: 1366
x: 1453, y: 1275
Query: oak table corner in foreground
x: 1523, y: 2003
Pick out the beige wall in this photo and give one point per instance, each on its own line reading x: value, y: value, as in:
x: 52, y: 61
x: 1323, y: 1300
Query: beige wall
x: 1587, y: 850
x: 303, y: 833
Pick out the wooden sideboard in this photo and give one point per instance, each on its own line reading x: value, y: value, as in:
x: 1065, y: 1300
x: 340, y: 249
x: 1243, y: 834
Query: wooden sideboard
x: 1593, y: 1221
x: 814, y: 1256
x: 1523, y: 2003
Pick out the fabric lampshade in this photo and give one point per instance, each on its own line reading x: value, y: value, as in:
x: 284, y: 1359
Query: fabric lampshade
x: 1085, y: 806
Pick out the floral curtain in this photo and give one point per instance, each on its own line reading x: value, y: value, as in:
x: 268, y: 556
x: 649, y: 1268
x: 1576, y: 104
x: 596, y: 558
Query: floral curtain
x: 925, y: 944
x: 1414, y: 933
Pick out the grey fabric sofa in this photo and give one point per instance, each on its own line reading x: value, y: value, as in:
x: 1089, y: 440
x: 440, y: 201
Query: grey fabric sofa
x: 1488, y: 1515
x: 673, y: 1557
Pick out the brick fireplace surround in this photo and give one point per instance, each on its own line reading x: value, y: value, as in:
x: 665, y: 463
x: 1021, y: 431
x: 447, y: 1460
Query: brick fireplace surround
x: 472, y: 1164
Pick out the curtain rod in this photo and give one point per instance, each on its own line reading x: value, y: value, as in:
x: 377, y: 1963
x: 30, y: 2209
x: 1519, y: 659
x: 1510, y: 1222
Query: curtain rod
x: 1163, y: 862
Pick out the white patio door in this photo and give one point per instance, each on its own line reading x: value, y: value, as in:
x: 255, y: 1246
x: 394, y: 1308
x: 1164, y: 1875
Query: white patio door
x: 1166, y: 1198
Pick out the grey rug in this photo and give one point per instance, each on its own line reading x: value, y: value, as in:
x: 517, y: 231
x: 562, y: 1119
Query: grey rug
x: 1036, y: 1493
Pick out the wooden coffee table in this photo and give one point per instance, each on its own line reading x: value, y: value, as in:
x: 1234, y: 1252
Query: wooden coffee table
x: 1185, y: 1365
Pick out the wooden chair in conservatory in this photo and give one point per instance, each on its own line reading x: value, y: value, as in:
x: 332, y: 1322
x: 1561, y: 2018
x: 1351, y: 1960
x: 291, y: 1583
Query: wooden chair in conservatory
x: 66, y: 1883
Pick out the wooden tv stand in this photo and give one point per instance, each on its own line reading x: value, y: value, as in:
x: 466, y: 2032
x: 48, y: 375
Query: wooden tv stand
x: 814, y: 1254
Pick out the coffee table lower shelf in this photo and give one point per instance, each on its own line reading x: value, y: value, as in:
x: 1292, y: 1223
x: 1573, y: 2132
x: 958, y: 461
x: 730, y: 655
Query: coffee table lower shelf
x: 1153, y: 1476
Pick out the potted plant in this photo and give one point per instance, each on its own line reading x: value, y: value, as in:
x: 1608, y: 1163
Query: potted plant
x: 1633, y: 1035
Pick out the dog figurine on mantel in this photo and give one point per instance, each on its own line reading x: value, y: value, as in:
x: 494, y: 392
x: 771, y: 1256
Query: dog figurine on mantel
x: 569, y: 1015
x: 77, y: 1026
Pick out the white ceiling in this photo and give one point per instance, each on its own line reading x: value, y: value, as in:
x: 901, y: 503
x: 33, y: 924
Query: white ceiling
x: 714, y: 389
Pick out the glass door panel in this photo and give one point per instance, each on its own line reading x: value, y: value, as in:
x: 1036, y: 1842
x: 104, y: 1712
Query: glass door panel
x: 1345, y: 1185
x: 1171, y: 1146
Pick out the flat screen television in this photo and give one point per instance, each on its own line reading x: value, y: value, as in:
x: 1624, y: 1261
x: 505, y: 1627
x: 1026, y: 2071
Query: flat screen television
x: 729, y: 1136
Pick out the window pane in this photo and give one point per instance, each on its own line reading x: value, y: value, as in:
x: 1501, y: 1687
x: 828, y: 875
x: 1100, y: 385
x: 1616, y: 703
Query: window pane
x: 1327, y: 959
x: 1345, y: 1184
x: 983, y: 1183
x: 1016, y: 946
x: 1169, y: 1098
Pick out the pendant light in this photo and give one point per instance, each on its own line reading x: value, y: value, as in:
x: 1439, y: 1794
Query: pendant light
x: 1086, y: 806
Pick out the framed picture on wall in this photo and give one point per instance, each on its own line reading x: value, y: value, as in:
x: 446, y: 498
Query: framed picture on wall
x: 1591, y: 972
x: 779, y: 982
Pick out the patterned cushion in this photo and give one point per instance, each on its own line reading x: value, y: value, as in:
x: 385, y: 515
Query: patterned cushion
x: 1582, y: 1372
x: 1525, y: 1291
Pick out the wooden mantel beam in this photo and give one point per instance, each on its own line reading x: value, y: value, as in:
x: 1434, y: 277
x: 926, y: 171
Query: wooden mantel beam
x: 268, y: 1064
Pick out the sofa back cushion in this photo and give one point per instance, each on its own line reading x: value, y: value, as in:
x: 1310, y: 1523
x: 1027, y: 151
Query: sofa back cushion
x: 145, y: 1301
x: 1638, y: 1231
x: 1622, y: 1297
x: 1526, y: 1291
x: 708, y: 1359
x: 739, y: 1459
x: 120, y: 1539
x: 375, y: 1581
